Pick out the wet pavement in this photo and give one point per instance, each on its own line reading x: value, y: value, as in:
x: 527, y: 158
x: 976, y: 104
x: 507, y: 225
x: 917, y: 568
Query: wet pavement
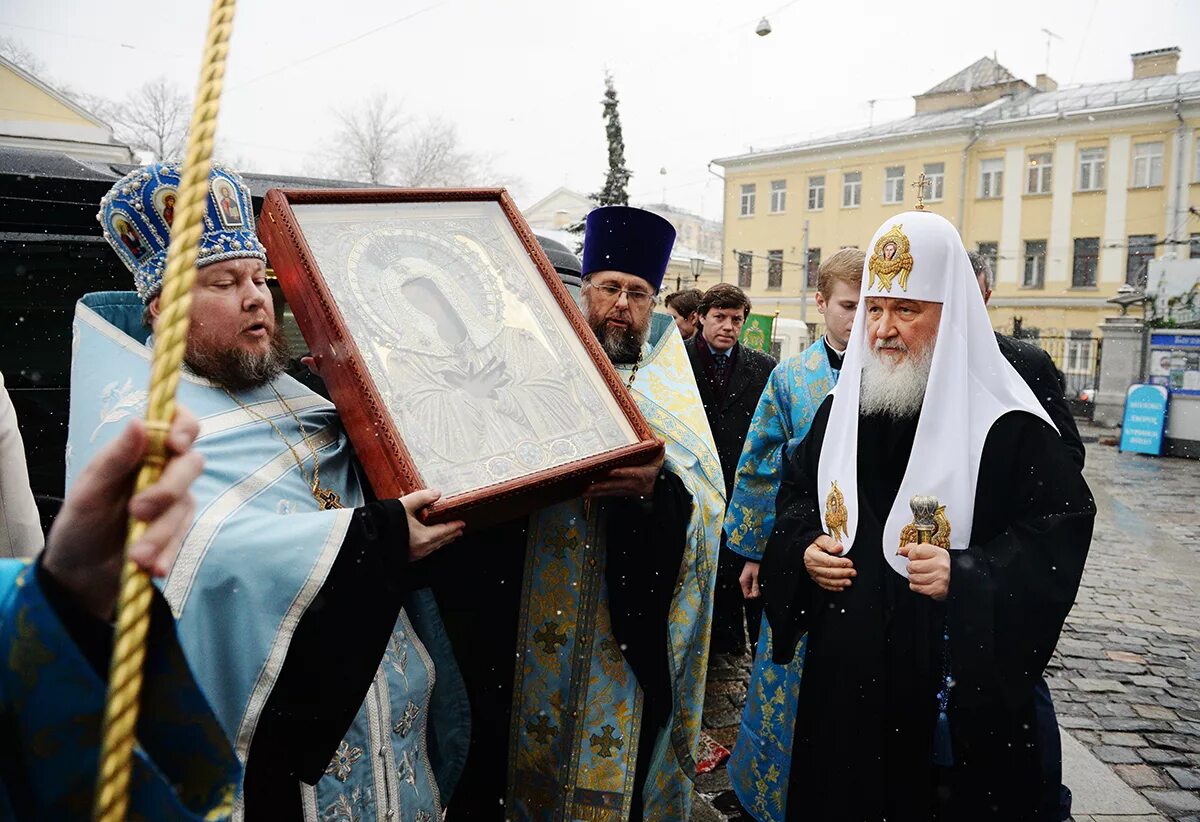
x: 1126, y: 674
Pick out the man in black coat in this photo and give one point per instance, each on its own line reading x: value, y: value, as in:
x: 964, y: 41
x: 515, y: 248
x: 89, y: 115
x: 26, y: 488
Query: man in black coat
x: 1038, y: 370
x: 731, y: 377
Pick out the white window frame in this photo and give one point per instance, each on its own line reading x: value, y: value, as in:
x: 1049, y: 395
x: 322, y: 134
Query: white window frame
x: 1196, y: 157
x: 851, y: 190
x: 1147, y: 167
x: 1093, y: 166
x: 935, y: 173
x: 1040, y: 175
x: 749, y: 195
x: 893, y: 185
x: 816, y: 192
x: 1079, y: 353
x: 991, y: 178
x: 778, y: 196
x: 1038, y: 278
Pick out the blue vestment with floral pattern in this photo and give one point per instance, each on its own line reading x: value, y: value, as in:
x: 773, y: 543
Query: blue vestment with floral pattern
x: 52, y: 704
x: 762, y: 756
x: 577, y: 706
x: 255, y: 558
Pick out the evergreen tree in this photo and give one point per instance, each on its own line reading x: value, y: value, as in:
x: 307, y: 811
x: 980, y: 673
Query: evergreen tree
x: 615, y: 191
x: 616, y: 182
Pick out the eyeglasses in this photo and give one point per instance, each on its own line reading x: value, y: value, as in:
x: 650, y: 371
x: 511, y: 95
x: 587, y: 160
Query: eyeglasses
x: 613, y: 292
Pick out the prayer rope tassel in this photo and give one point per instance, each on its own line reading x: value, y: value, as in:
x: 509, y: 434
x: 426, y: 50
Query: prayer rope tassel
x: 133, y: 604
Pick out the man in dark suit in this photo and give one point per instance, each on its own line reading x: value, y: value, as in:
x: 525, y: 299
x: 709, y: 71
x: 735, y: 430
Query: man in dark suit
x: 1040, y: 373
x: 731, y: 378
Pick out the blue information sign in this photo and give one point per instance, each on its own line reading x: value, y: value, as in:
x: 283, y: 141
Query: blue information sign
x: 1175, y: 362
x: 1145, y: 418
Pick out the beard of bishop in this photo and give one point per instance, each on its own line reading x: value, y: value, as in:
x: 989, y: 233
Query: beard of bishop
x: 894, y: 389
x: 237, y: 370
x: 622, y: 345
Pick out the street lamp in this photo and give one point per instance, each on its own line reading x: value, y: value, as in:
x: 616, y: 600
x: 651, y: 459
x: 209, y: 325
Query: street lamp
x: 697, y: 268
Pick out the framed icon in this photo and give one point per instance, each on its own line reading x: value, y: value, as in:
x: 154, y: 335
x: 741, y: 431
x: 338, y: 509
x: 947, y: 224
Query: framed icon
x: 455, y: 356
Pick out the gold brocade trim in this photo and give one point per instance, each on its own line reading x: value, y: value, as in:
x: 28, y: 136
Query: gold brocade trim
x: 941, y: 536
x: 888, y: 263
x: 835, y: 513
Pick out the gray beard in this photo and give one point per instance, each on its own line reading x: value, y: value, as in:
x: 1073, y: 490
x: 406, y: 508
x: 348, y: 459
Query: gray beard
x: 236, y: 370
x: 894, y: 389
x: 623, y: 346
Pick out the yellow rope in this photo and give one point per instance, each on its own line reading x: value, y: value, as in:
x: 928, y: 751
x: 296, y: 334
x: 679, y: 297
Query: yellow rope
x: 170, y: 342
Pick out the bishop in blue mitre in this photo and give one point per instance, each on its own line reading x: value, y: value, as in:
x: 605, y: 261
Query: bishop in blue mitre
x: 298, y: 605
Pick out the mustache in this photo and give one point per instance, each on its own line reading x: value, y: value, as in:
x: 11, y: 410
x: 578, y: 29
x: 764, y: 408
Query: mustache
x: 895, y: 344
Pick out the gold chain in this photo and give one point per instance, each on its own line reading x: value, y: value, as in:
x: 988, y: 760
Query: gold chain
x: 633, y: 374
x: 327, y: 498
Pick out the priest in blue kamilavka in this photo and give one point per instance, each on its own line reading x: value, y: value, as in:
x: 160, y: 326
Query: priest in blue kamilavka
x: 761, y: 759
x: 590, y: 705
x: 295, y: 595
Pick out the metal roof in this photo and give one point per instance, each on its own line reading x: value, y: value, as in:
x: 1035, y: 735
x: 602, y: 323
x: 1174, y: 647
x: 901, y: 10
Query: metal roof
x: 982, y: 73
x: 1024, y: 105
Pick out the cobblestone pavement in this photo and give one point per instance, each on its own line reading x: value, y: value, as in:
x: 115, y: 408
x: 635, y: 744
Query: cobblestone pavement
x: 1126, y: 675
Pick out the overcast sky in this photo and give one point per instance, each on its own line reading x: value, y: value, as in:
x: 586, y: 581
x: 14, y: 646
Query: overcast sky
x: 523, y: 80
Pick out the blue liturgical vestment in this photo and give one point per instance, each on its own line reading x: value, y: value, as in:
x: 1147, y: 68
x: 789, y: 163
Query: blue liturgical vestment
x: 255, y: 557
x: 577, y: 706
x: 762, y: 757
x: 52, y: 703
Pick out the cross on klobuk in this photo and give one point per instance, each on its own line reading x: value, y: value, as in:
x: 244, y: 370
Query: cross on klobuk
x: 608, y: 743
x: 920, y: 184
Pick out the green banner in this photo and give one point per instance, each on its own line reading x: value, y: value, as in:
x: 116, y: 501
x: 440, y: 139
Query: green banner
x: 756, y: 332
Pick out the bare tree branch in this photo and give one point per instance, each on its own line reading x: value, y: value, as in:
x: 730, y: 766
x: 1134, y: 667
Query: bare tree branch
x: 375, y: 143
x: 368, y: 141
x: 152, y: 118
x: 15, y: 52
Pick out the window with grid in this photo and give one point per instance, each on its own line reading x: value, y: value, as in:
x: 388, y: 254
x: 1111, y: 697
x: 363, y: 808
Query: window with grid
x: 778, y: 196
x: 1091, y: 169
x: 1041, y: 169
x: 816, y: 193
x: 775, y: 268
x: 991, y: 177
x: 745, y: 268
x: 1035, y: 264
x: 1085, y: 261
x: 1139, y: 251
x: 1147, y: 165
x: 893, y: 184
x: 1194, y: 246
x: 814, y: 263
x: 748, y: 197
x: 1196, y: 158
x: 935, y: 188
x: 1079, y: 354
x: 990, y: 252
x: 852, y: 189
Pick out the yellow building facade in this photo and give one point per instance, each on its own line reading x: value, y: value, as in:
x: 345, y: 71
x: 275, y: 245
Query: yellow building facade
x: 1068, y: 191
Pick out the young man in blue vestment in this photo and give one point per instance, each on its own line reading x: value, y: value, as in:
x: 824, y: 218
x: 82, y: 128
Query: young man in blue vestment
x: 56, y: 640
x: 761, y: 756
x: 298, y: 598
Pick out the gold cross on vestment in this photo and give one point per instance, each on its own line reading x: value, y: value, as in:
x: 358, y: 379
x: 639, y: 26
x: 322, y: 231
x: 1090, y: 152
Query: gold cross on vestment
x: 920, y: 185
x: 328, y: 498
